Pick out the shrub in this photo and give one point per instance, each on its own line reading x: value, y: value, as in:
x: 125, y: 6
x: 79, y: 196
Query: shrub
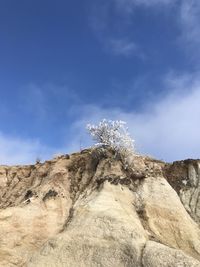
x: 115, y: 135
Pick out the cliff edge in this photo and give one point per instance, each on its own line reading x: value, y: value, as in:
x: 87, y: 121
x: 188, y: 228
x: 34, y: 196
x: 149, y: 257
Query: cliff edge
x: 87, y: 209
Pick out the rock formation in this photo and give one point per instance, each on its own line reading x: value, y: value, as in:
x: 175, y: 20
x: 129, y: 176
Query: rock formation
x: 88, y: 210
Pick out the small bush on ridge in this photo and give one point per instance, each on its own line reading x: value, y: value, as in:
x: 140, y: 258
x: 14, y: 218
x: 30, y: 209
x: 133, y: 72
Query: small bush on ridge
x: 115, y: 135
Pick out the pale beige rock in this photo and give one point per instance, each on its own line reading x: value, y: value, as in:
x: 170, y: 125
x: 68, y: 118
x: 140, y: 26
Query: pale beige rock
x: 184, y: 176
x: 190, y: 195
x: 166, y: 218
x: 158, y: 255
x: 86, y: 209
x: 105, y: 231
x: 37, y: 216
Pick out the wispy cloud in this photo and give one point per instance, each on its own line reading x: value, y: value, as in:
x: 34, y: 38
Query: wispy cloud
x: 35, y: 112
x: 128, y: 6
x: 122, y: 47
x: 167, y: 129
x: 110, y: 32
x: 187, y: 13
x: 110, y: 21
x: 190, y: 21
x: 186, y: 17
x: 33, y: 101
x: 15, y: 150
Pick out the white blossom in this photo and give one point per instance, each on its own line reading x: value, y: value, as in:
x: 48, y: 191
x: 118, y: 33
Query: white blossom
x: 113, y: 134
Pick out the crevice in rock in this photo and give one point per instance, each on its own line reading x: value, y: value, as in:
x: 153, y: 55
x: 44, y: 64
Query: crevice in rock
x: 142, y: 254
x: 28, y: 194
x: 50, y: 194
x: 69, y: 219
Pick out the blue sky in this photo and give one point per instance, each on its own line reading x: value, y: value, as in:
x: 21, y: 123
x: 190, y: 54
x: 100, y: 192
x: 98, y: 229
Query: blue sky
x: 66, y: 63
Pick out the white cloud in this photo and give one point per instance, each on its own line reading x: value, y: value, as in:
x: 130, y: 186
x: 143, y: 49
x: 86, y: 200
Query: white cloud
x: 122, y: 47
x: 110, y: 21
x: 129, y: 5
x: 108, y: 29
x: 33, y: 101
x: 14, y: 150
x: 190, y: 20
x: 168, y: 129
x: 39, y: 104
x: 154, y: 2
x: 186, y: 14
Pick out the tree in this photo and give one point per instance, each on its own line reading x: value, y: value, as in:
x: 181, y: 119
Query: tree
x: 113, y: 134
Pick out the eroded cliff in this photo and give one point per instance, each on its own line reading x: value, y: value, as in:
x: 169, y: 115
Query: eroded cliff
x: 86, y: 209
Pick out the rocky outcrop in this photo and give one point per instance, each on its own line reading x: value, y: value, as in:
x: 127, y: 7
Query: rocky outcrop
x: 87, y: 209
x: 156, y: 254
x: 184, y: 176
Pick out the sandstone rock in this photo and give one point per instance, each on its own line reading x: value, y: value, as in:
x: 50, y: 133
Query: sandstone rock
x: 156, y: 254
x: 104, y: 231
x: 185, y: 178
x: 166, y: 218
x: 87, y: 209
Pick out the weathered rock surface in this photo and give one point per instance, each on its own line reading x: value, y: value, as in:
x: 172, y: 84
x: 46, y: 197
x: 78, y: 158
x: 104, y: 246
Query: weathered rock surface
x: 184, y: 176
x: 86, y: 209
x: 156, y: 254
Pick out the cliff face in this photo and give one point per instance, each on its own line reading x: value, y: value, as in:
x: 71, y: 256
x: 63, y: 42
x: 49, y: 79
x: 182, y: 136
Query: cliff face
x: 87, y: 210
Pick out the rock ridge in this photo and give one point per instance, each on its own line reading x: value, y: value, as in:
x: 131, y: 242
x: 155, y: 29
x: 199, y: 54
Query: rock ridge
x: 87, y: 209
